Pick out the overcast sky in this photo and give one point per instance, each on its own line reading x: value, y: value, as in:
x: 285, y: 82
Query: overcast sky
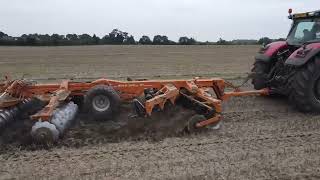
x: 201, y: 19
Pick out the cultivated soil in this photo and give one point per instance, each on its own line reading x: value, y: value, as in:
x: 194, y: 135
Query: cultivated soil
x: 259, y: 138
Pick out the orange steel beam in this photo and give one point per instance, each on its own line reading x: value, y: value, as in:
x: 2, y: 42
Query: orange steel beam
x: 127, y: 89
x: 59, y: 96
x: 262, y: 92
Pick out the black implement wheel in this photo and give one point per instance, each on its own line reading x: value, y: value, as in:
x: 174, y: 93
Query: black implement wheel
x: 305, y: 87
x: 102, y: 102
x: 191, y: 124
x: 260, y: 70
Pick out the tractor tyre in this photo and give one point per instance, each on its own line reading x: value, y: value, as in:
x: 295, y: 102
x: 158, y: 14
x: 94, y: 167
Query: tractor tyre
x: 260, y: 70
x: 101, y: 102
x: 305, y: 87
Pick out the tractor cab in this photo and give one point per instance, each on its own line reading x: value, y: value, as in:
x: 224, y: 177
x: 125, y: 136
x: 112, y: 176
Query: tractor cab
x: 305, y: 28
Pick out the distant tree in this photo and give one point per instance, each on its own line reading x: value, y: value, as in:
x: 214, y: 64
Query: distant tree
x: 192, y: 41
x: 130, y: 40
x: 72, y: 37
x: 105, y: 40
x: 95, y: 39
x: 44, y: 40
x: 85, y: 39
x: 145, y: 40
x: 116, y: 36
x: 223, y: 42
x: 183, y: 40
x: 186, y: 41
x: 56, y: 39
x: 5, y: 39
x: 160, y: 40
x: 244, y: 42
x: 264, y: 40
x: 279, y: 39
x: 31, y: 39
x: 2, y: 34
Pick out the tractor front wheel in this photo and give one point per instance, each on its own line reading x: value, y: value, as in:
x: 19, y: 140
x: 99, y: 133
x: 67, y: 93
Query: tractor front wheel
x: 305, y: 87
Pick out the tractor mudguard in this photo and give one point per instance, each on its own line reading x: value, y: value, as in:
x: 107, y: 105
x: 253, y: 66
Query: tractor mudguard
x: 266, y: 53
x: 302, y: 55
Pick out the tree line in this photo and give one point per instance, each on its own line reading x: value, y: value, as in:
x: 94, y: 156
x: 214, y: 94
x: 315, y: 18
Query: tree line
x: 115, y: 37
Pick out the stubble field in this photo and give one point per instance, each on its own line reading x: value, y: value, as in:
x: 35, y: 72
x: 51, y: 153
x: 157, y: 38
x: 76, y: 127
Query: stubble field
x: 260, y: 138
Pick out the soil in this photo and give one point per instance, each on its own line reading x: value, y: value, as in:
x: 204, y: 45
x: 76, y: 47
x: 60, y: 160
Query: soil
x: 259, y: 138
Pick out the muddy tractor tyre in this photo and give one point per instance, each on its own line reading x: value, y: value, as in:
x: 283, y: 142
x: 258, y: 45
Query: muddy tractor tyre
x: 260, y: 70
x: 101, y: 102
x: 305, y: 87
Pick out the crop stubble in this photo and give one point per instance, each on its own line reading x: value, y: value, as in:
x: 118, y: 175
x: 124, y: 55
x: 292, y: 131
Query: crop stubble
x: 260, y: 138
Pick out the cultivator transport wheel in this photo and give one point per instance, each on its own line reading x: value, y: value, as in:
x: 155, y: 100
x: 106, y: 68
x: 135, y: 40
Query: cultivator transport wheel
x: 50, y: 131
x: 102, y: 102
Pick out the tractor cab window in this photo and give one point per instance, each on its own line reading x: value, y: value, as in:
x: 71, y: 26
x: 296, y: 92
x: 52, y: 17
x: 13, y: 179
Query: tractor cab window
x: 304, y: 31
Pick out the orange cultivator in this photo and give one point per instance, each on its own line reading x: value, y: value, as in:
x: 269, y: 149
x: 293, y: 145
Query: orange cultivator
x: 102, y: 98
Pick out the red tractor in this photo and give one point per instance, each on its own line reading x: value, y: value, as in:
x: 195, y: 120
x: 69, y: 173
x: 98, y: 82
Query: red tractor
x: 292, y: 67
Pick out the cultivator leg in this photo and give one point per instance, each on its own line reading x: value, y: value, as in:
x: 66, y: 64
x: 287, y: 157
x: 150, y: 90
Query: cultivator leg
x: 195, y: 98
x: 207, y: 107
x: 205, y: 99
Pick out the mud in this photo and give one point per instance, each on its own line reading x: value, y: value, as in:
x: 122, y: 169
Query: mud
x: 260, y: 138
x: 85, y: 131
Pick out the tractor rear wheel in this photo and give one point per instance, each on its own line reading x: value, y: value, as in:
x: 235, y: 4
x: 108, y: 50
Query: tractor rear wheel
x: 260, y: 70
x: 305, y: 87
x: 102, y: 102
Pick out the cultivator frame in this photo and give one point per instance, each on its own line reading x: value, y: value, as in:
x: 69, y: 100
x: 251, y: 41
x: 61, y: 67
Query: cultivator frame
x: 195, y: 91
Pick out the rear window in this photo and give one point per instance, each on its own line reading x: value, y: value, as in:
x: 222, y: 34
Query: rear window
x: 304, y: 30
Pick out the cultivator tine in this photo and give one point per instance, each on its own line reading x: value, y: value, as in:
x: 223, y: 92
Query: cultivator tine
x: 208, y: 108
x: 213, y: 120
x: 168, y: 93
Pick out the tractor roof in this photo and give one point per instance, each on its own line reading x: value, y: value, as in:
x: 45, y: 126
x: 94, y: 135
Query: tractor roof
x: 305, y: 15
